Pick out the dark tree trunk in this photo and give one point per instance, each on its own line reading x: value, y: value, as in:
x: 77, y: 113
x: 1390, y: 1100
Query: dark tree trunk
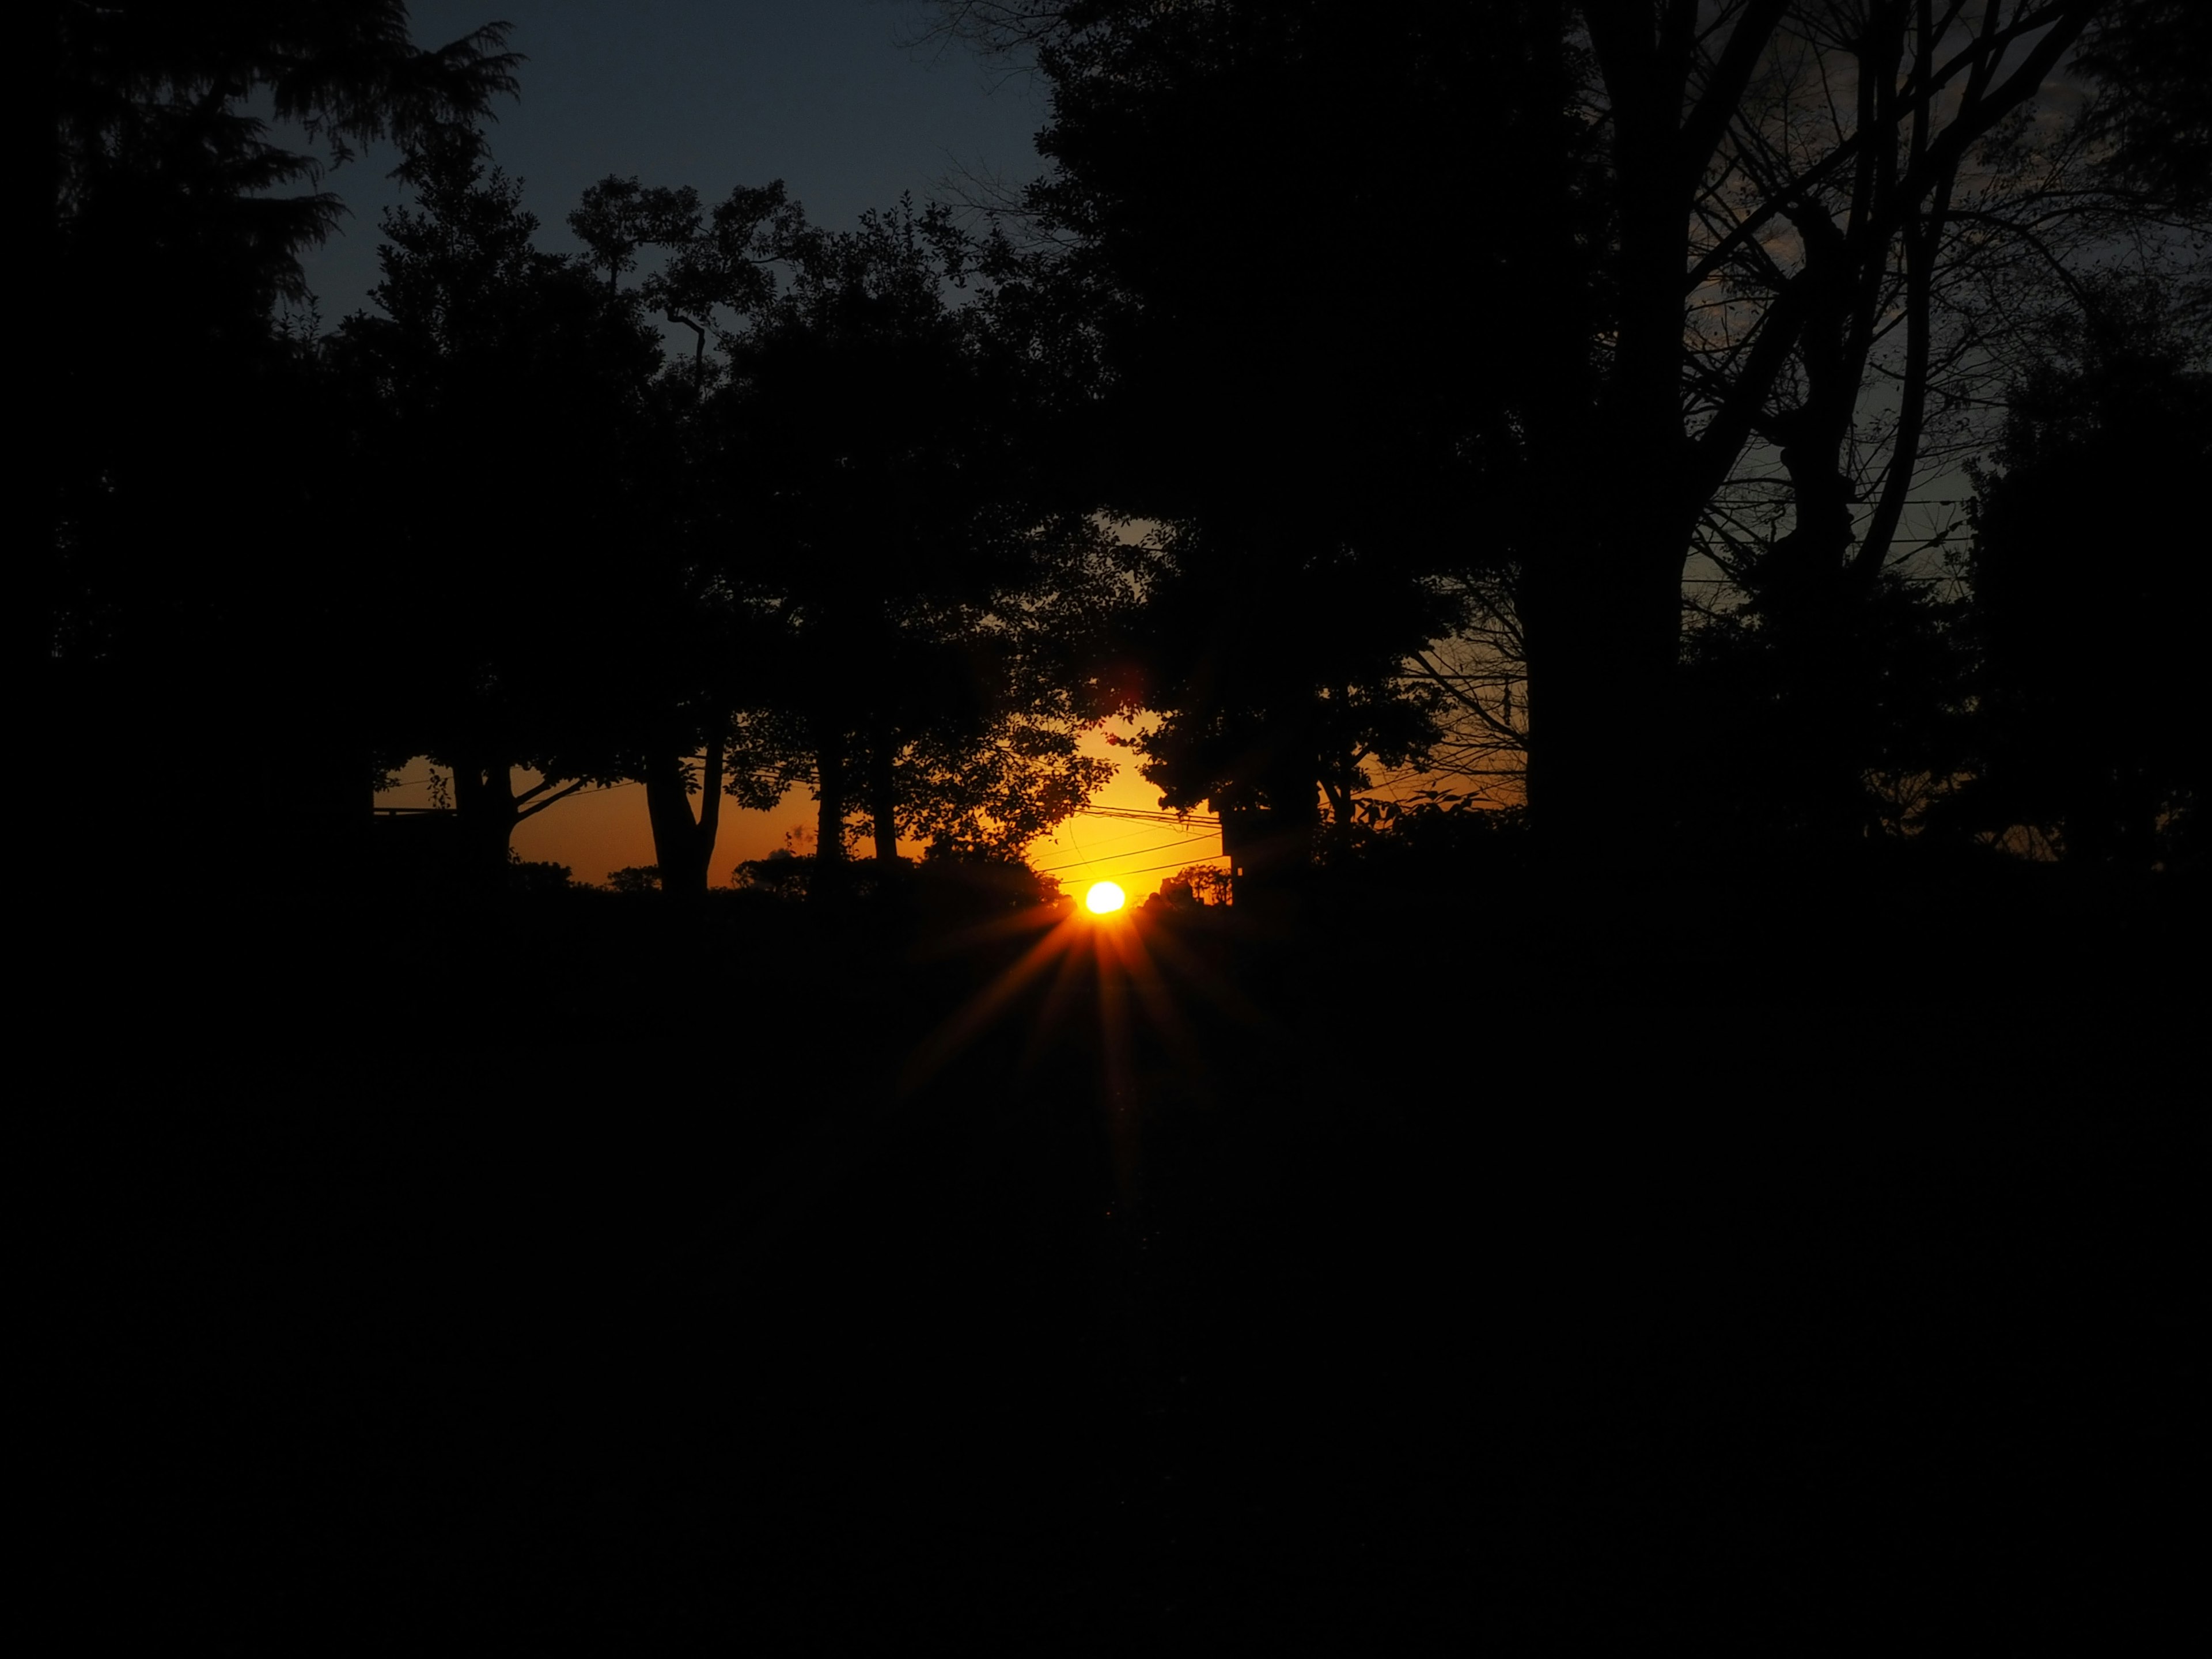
x: 1603, y: 633
x: 1812, y: 598
x: 1604, y: 603
x: 1292, y: 782
x: 829, y: 836
x: 483, y: 804
x: 710, y: 802
x: 684, y: 847
x: 1271, y: 849
x: 883, y: 792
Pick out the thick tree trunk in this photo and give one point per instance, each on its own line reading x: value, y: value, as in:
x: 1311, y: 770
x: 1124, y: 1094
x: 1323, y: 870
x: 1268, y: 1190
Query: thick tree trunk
x: 684, y: 847
x: 883, y: 792
x: 1603, y: 600
x: 484, y: 803
x: 1813, y: 600
x: 828, y: 882
x: 1271, y: 849
x: 1603, y: 635
x: 1603, y: 604
x: 668, y: 810
x: 710, y: 802
x: 1291, y: 780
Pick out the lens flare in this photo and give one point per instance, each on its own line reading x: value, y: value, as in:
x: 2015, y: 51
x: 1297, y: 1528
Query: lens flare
x: 1105, y: 897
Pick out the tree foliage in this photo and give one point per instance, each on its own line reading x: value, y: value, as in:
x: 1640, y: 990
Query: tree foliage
x: 155, y: 150
x: 176, y: 470
x: 2152, y: 60
x: 2082, y: 559
x: 486, y: 584
x: 877, y: 439
x: 1268, y: 224
x: 1786, y: 250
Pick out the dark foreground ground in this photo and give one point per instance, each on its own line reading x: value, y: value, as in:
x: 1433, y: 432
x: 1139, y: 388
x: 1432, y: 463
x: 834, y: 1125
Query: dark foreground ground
x: 1765, y: 1276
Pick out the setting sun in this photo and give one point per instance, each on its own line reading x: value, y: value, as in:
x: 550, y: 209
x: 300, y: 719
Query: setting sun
x: 1103, y: 897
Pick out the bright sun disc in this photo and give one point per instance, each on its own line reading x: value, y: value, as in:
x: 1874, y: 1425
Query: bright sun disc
x: 1103, y: 897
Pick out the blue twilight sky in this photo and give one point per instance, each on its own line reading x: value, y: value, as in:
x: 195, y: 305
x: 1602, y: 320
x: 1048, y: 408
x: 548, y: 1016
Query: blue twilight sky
x: 825, y: 94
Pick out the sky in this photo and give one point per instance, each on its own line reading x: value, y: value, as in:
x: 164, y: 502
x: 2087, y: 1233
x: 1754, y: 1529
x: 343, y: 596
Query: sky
x: 825, y: 94
x: 834, y: 98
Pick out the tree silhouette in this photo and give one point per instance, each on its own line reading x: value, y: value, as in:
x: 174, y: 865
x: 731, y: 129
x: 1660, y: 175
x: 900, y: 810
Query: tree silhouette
x: 725, y: 260
x: 1268, y: 224
x: 691, y: 649
x: 618, y: 216
x: 873, y: 437
x: 1695, y: 186
x: 152, y: 143
x: 1784, y: 753
x: 2154, y: 109
x: 169, y: 205
x: 2080, y: 582
x: 508, y: 388
x: 1744, y: 275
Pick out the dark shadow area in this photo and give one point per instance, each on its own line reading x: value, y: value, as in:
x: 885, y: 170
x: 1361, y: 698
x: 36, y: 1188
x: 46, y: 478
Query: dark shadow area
x: 590, y: 1273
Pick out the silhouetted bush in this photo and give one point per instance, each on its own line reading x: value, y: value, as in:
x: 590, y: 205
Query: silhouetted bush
x: 532, y: 877
x: 1437, y: 838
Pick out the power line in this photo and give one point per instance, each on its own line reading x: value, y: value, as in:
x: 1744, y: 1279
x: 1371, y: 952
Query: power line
x: 1106, y: 841
x: 1148, y: 868
x: 1145, y: 816
x: 1104, y: 857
